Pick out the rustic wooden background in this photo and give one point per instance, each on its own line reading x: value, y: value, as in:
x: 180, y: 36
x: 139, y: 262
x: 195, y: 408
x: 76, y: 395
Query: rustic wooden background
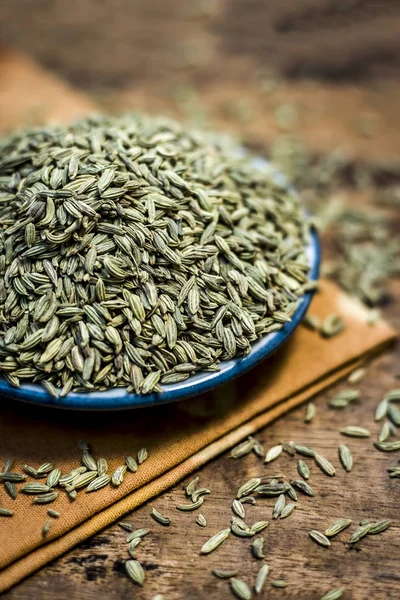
x: 199, y: 58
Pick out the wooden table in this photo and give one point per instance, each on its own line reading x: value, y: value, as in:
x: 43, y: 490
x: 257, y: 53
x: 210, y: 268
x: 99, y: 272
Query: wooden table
x: 171, y: 554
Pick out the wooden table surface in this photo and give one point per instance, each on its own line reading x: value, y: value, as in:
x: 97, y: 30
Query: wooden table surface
x: 170, y: 555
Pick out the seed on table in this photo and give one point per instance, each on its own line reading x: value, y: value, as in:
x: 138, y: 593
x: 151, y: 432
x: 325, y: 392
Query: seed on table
x: 291, y: 492
x: 385, y: 432
x: 379, y: 526
x: 324, y: 464
x: 257, y: 547
x: 238, y: 509
x: 273, y: 453
x: 191, y: 486
x: 319, y: 537
x: 258, y: 448
x: 393, y: 395
x: 337, y: 527
x: 248, y: 500
x: 288, y: 447
x: 355, y: 431
x: 279, y: 583
x: 278, y: 506
x: 200, y: 492
x: 394, y: 414
x: 157, y: 516
x: 201, y: 520
x: 337, y: 402
x: 357, y: 375
x: 135, y: 571
x: 259, y: 526
x: 387, y: 446
x: 138, y: 533
x: 304, y: 450
x: 242, y: 449
x: 53, y: 513
x: 287, y: 511
x: 303, y: 487
x: 381, y: 410
x: 133, y: 545
x: 216, y: 540
x: 334, y: 594
x: 248, y: 487
x: 190, y: 507
x: 261, y: 579
x: 224, y: 573
x: 360, y: 533
x: 5, y: 512
x: 303, y: 469
x: 126, y: 526
x: 240, y: 528
x: 240, y: 588
x: 346, y: 457
x: 311, y: 411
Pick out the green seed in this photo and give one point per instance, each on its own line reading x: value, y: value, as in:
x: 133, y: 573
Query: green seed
x: 333, y: 594
x: 240, y: 588
x: 360, y: 533
x: 311, y: 411
x: 320, y: 538
x: 260, y: 579
x: 201, y: 520
x: 157, y: 516
x: 213, y: 543
x: 303, y: 469
x: 379, y: 526
x: 5, y: 512
x: 273, y: 453
x: 135, y: 571
x: 224, y: 573
x: 257, y: 548
x: 337, y: 527
x: 324, y: 464
x: 279, y: 583
x: 355, y: 431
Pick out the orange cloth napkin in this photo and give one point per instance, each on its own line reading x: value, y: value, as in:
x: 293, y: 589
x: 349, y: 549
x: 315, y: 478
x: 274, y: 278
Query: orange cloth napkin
x: 180, y: 437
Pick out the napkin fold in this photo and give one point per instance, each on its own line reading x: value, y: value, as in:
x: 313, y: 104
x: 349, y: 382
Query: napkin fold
x: 179, y: 437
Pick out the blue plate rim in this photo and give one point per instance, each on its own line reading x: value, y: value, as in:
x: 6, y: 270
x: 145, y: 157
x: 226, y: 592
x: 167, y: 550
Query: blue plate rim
x: 200, y: 383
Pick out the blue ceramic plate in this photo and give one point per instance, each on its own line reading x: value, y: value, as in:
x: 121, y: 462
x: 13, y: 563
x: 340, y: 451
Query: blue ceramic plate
x: 199, y: 383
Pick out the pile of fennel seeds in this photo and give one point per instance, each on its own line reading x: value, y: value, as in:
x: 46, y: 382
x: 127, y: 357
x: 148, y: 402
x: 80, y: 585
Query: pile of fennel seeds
x: 134, y: 253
